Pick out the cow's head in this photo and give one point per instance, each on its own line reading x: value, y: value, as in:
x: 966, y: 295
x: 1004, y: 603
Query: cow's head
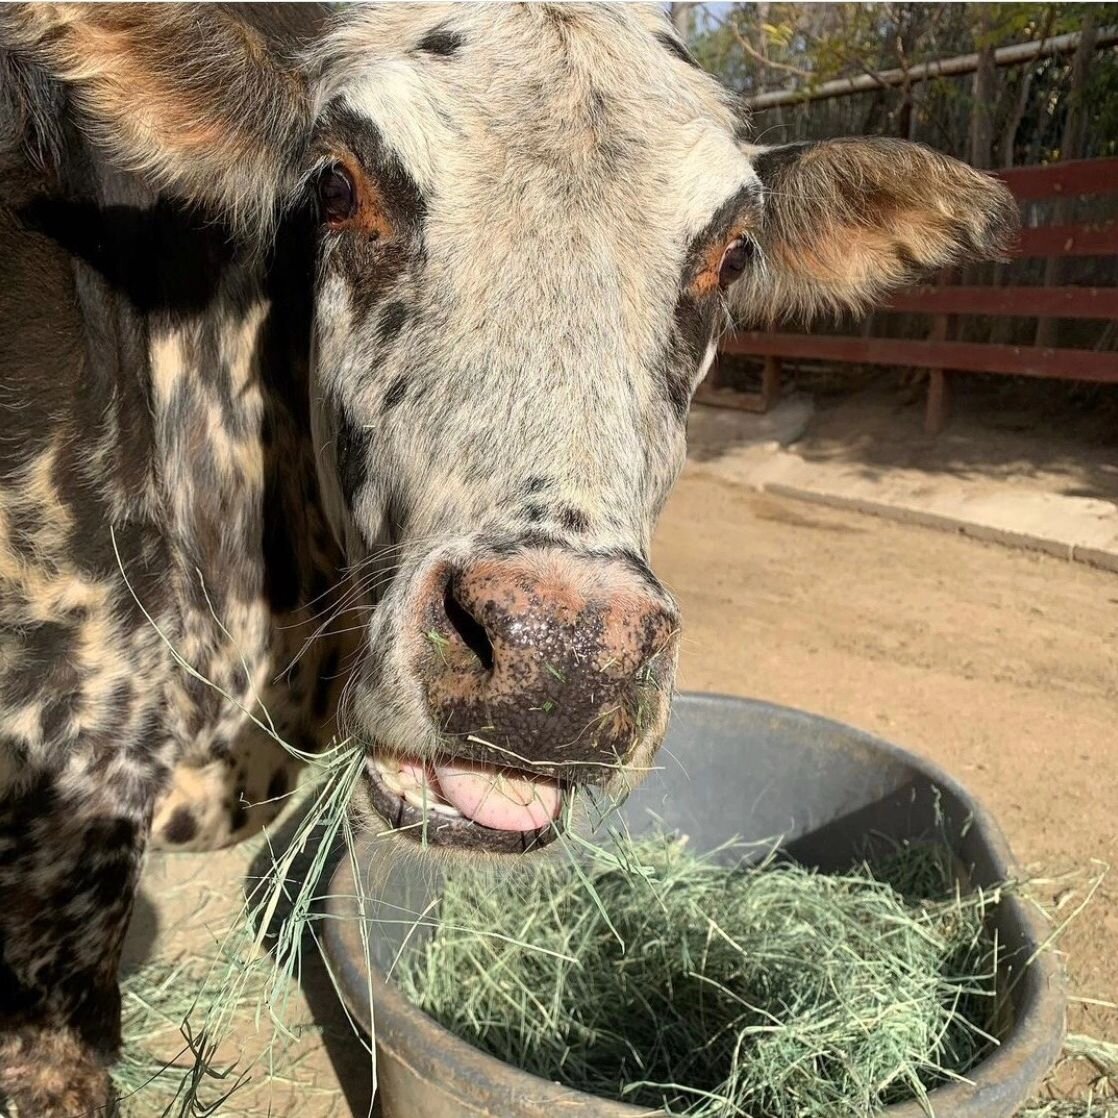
x: 531, y: 221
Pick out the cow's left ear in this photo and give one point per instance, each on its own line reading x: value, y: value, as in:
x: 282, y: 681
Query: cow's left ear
x: 192, y: 96
x: 846, y: 221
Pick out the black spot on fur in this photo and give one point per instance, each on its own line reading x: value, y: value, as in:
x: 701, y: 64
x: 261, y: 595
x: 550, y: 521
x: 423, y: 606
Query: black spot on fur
x: 115, y: 843
x: 397, y: 390
x: 129, y: 247
x: 121, y: 699
x: 392, y: 321
x: 639, y: 567
x: 181, y: 827
x: 46, y: 641
x: 47, y: 664
x: 442, y: 42
x: 238, y: 814
x: 277, y: 786
x: 574, y: 520
x: 56, y: 714
x: 534, y: 513
x: 671, y: 44
x: 352, y: 454
x: 535, y: 484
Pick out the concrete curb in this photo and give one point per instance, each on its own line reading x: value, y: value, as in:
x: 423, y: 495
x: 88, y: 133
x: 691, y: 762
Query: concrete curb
x: 1027, y: 509
x: 1105, y: 557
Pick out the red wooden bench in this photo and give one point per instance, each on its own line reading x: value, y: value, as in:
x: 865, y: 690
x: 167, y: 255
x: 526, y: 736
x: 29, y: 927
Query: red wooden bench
x: 944, y: 357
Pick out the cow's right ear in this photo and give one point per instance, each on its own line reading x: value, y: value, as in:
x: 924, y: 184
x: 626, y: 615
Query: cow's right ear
x: 846, y: 221
x: 191, y: 96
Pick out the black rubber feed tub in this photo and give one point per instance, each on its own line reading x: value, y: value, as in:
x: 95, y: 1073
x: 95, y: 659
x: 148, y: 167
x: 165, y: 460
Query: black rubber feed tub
x: 731, y: 767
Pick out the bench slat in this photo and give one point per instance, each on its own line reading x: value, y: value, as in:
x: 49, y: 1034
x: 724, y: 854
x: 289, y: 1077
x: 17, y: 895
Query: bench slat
x: 1062, y: 364
x: 1100, y: 239
x: 1062, y: 180
x: 1023, y: 302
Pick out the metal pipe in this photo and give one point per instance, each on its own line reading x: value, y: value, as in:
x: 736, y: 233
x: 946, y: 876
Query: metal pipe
x: 962, y: 64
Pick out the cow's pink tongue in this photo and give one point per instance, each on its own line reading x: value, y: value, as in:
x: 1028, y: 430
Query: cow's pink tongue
x: 498, y: 800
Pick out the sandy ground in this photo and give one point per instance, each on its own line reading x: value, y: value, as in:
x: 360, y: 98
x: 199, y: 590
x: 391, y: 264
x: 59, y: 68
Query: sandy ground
x: 1001, y: 665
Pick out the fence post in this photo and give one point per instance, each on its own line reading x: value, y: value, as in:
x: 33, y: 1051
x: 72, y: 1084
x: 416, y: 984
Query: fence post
x: 939, y: 380
x: 770, y: 382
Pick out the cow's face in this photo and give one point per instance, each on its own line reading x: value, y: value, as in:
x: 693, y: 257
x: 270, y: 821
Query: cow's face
x: 528, y: 219
x: 531, y: 221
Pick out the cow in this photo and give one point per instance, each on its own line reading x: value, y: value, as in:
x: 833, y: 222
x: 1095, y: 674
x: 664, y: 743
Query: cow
x: 345, y: 360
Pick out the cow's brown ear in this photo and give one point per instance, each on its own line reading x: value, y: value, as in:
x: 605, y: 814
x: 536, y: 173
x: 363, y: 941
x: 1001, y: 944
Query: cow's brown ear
x: 846, y: 221
x: 192, y: 96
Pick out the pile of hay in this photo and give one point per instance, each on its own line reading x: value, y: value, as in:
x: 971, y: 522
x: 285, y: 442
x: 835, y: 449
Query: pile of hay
x: 665, y: 979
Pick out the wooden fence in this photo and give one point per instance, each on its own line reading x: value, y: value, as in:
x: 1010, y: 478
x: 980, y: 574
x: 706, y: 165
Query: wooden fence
x: 943, y: 357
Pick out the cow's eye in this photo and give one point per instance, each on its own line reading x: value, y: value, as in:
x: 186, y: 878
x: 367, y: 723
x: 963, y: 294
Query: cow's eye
x: 735, y: 260
x: 337, y: 198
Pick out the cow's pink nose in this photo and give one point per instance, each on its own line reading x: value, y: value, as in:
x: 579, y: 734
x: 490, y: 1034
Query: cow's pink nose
x: 548, y: 660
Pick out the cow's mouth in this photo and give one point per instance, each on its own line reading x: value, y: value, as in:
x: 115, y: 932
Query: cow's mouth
x: 464, y: 804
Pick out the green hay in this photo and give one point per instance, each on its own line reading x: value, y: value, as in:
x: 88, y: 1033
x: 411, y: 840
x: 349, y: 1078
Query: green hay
x: 249, y: 982
x: 664, y: 979
x: 260, y: 960
x: 155, y: 1001
x: 1072, y: 1108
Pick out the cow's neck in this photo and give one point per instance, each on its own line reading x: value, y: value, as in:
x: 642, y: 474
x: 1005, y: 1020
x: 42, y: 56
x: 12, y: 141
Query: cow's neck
x: 204, y: 349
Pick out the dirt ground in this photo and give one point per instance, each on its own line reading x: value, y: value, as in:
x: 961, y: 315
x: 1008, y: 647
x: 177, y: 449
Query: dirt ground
x: 999, y: 664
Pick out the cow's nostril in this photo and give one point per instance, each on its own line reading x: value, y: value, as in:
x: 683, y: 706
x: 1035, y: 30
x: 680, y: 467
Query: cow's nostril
x: 472, y: 632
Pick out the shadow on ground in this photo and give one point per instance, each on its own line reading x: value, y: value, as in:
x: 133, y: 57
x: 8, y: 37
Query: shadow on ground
x: 1062, y: 438
x: 143, y: 934
x: 346, y: 1052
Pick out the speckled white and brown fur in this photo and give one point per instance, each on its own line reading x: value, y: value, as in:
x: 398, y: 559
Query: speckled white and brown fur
x: 212, y: 408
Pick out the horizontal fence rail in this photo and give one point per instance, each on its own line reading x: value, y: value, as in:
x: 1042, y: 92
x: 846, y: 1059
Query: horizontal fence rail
x: 1005, y: 302
x: 1099, y: 239
x: 977, y: 357
x: 1062, y: 180
x: 946, y: 67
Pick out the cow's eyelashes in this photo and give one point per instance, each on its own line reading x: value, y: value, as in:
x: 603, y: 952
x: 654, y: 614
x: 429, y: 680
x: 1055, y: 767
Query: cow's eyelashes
x: 337, y: 196
x: 737, y: 257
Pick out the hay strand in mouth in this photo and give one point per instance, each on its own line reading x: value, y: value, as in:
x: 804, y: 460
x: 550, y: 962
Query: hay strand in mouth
x: 260, y: 960
x: 252, y: 977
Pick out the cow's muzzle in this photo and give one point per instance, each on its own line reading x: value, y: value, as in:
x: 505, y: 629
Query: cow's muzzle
x: 543, y: 671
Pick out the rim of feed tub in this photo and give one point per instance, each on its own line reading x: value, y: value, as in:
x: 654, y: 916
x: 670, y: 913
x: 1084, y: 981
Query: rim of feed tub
x: 994, y: 1088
